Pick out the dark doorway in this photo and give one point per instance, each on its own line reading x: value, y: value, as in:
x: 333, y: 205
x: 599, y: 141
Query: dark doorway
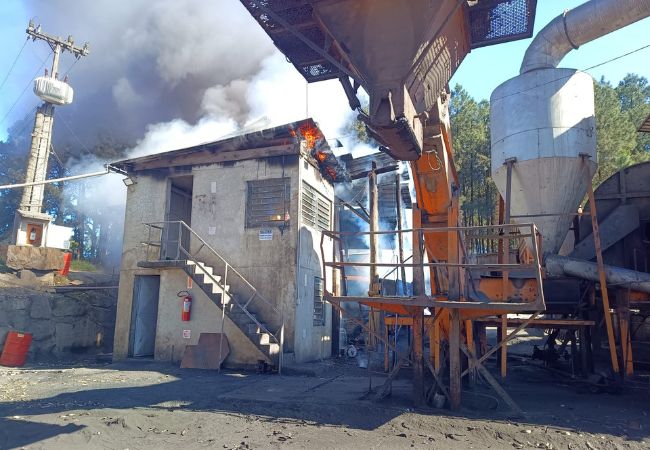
x: 176, y: 238
x: 144, y: 315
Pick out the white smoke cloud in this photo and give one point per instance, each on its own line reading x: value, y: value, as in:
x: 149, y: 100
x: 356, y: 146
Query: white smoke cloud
x: 172, y: 74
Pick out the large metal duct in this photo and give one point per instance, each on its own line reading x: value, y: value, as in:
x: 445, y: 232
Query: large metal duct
x: 578, y: 26
x: 616, y: 276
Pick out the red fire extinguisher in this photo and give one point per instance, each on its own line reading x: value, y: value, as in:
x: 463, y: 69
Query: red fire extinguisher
x: 187, y: 305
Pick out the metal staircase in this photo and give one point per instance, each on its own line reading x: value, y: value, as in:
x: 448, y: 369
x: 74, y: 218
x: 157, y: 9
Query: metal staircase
x: 169, y: 244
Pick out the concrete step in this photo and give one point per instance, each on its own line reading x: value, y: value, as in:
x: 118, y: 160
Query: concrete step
x: 262, y: 338
x: 217, y: 298
x: 210, y: 286
x: 273, y: 350
x: 241, y: 318
x: 253, y: 328
x: 249, y: 324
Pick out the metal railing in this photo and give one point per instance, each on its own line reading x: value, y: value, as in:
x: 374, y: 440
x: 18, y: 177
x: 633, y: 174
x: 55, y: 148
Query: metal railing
x: 175, y: 235
x: 456, y: 278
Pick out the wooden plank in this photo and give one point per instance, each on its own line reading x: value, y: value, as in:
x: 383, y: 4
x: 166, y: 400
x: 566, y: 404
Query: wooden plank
x: 504, y: 348
x: 207, y: 156
x: 494, y: 384
x: 538, y: 323
x: 407, y: 321
x: 436, y: 379
x: 454, y: 360
x: 418, y: 358
x: 502, y: 343
x: 431, y: 302
x: 603, y: 282
x: 384, y: 390
x: 495, y: 266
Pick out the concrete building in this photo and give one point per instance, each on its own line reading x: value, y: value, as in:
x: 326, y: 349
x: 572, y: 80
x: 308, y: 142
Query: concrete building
x: 236, y: 223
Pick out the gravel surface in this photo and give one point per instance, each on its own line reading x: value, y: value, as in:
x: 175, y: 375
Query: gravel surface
x: 136, y: 404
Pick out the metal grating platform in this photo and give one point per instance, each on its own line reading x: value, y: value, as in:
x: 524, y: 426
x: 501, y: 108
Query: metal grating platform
x: 497, y: 21
x: 298, y: 15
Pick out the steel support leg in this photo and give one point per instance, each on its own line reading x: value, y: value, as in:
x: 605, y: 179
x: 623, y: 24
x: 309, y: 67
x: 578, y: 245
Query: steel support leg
x: 454, y: 359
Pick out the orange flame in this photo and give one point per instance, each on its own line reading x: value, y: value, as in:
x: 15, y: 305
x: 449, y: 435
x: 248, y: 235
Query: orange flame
x: 310, y: 135
x: 321, y: 157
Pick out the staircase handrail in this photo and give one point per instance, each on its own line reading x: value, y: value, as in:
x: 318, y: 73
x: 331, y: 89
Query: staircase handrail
x: 230, y: 268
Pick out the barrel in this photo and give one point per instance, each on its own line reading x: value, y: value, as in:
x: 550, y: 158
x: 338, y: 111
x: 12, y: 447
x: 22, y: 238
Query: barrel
x: 15, y: 350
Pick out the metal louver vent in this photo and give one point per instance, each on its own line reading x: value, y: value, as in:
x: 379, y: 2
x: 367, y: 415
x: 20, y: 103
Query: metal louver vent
x: 267, y: 202
x: 319, y: 304
x: 316, y: 208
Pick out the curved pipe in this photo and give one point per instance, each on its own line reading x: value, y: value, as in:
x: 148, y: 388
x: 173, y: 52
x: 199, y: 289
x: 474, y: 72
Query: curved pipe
x: 578, y: 26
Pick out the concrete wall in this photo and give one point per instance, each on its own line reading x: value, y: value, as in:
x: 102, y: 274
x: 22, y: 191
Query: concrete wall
x: 145, y: 203
x: 219, y: 217
x: 205, y: 318
x: 312, y: 342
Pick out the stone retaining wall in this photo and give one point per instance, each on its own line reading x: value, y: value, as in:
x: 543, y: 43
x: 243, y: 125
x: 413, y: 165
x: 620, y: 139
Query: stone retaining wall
x: 20, y: 257
x: 60, y: 323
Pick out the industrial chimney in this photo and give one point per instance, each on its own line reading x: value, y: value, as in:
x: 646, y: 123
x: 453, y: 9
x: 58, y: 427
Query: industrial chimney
x: 543, y: 120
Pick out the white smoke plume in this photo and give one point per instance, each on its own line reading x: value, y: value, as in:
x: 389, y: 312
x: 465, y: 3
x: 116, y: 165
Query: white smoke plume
x: 171, y: 74
x: 169, y: 60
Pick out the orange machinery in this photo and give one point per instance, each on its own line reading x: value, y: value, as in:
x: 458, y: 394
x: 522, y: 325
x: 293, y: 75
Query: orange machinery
x: 403, y: 53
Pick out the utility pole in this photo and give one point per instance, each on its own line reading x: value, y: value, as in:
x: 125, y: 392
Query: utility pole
x: 53, y: 92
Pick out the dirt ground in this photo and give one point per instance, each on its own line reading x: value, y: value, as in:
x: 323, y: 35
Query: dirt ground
x: 140, y: 404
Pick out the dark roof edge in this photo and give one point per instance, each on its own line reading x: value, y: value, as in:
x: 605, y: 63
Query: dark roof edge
x: 279, y: 140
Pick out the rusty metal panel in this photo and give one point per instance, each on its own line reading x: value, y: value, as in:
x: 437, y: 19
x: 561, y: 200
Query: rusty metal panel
x: 210, y: 352
x: 618, y: 224
x: 497, y: 21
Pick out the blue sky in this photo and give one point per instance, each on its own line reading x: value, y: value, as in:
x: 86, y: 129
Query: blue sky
x: 485, y: 68
x: 482, y: 70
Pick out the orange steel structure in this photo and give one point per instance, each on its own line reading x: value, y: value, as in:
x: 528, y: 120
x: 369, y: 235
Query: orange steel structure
x: 403, y: 53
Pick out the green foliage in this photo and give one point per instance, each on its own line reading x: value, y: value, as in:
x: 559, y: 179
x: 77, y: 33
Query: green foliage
x: 471, y: 142
x: 634, y: 94
x: 614, y: 131
x: 74, y: 246
x: 82, y: 265
x: 357, y: 129
x: 93, y: 228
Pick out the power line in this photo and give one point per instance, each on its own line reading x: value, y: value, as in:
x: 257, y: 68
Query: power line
x: 13, y: 64
x: 27, y: 122
x: 25, y: 89
x: 70, y: 67
x: 569, y: 76
x: 618, y: 57
x: 65, y: 122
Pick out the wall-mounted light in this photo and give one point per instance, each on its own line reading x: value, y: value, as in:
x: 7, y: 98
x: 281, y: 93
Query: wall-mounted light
x: 128, y: 181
